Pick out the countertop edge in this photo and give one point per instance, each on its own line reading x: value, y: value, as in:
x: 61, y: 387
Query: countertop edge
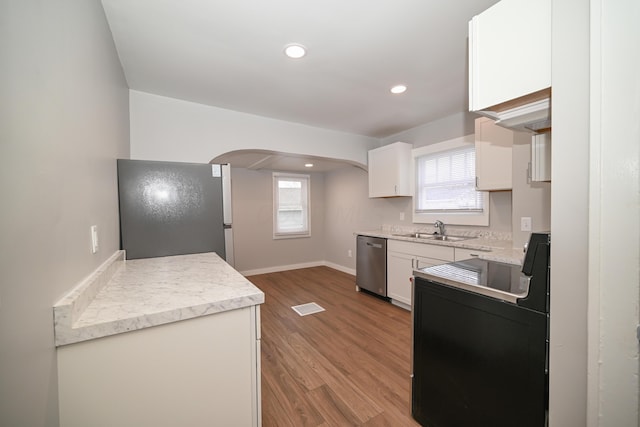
x: 70, y: 307
x: 105, y: 329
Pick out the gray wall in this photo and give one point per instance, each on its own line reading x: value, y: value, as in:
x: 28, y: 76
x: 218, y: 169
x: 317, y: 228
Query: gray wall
x: 255, y: 249
x: 63, y: 121
x: 529, y: 199
x: 349, y: 209
x: 342, y: 208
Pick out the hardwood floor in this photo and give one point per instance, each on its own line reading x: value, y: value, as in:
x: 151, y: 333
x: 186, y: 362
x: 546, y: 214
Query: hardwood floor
x: 348, y: 365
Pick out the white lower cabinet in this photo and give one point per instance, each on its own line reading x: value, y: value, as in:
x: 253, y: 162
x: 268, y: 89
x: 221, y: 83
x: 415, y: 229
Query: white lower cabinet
x: 399, y: 272
x: 461, y: 253
x: 195, y: 372
x: 402, y: 258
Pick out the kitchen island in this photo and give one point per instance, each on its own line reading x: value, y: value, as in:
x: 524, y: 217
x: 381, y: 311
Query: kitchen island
x: 160, y: 341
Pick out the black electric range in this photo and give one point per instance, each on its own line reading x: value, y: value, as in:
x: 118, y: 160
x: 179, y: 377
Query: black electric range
x: 481, y: 342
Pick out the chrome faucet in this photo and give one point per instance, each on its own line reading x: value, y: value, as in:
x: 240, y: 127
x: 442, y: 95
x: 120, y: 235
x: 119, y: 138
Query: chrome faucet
x: 440, y: 226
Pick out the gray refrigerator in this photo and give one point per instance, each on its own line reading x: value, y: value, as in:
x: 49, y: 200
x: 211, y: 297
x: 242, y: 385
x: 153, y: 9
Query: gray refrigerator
x: 172, y: 208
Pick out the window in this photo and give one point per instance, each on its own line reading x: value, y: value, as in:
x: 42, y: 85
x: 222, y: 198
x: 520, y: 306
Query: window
x: 445, y: 184
x: 290, y: 206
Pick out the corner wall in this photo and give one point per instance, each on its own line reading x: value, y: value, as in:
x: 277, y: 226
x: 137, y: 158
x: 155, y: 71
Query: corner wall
x: 64, y: 120
x: 569, y: 214
x: 614, y: 215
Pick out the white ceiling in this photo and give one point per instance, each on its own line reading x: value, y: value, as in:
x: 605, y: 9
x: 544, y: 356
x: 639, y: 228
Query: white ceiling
x: 228, y: 54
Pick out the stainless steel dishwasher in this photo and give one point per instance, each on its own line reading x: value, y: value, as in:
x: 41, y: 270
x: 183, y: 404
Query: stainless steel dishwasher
x: 371, y: 264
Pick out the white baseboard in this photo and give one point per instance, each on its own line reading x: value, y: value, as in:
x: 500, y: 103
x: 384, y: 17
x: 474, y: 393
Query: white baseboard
x: 342, y: 268
x: 279, y: 268
x: 401, y: 304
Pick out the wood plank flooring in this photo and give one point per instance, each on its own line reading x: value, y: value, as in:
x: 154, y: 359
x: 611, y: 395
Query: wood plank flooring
x: 348, y: 365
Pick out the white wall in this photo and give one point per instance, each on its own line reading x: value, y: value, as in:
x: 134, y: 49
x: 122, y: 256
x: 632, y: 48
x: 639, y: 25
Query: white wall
x: 170, y: 129
x: 614, y: 214
x: 595, y: 211
x: 63, y: 121
x: 450, y: 127
x: 569, y: 213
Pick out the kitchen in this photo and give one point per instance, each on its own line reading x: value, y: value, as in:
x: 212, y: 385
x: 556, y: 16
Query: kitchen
x: 61, y: 146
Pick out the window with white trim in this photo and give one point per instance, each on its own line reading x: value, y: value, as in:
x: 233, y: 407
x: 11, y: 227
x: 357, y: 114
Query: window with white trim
x: 291, y: 195
x: 444, y: 186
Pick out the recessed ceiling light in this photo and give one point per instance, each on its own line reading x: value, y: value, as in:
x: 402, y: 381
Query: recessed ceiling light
x: 295, y: 51
x: 398, y: 89
x: 308, y: 165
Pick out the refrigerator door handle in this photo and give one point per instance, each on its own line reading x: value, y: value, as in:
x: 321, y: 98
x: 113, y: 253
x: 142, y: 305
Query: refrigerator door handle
x: 226, y: 194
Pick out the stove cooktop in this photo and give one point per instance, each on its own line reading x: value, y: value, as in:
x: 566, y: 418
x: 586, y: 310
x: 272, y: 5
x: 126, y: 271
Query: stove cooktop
x: 490, y: 278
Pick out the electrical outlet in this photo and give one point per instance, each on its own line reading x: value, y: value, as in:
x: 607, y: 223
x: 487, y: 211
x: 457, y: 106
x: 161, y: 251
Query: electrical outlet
x: 349, y: 253
x: 401, y: 216
x: 525, y: 223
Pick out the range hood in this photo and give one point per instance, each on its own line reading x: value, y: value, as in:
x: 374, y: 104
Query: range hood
x: 532, y: 116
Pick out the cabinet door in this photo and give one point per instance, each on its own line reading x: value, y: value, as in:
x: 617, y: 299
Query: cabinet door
x: 399, y: 272
x: 493, y: 156
x: 461, y: 253
x: 509, y: 52
x: 190, y: 373
x: 422, y: 262
x: 389, y: 170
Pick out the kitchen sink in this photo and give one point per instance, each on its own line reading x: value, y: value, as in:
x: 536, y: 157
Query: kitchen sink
x: 440, y: 237
x: 415, y: 235
x: 448, y: 238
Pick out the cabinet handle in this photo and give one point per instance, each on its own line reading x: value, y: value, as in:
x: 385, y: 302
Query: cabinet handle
x: 476, y: 182
x: 417, y: 264
x: 395, y: 189
x: 412, y: 266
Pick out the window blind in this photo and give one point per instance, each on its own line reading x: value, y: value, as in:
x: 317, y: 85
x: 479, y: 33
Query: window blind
x: 445, y: 182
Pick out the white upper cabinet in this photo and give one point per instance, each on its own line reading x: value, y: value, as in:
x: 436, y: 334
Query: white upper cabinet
x: 510, y: 54
x: 494, y: 154
x: 389, y: 170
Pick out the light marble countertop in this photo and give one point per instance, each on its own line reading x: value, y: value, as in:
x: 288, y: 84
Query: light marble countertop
x: 123, y: 296
x: 488, y: 248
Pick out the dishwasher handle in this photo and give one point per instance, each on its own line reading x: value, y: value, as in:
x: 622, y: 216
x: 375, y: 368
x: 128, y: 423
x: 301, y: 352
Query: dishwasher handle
x: 374, y: 245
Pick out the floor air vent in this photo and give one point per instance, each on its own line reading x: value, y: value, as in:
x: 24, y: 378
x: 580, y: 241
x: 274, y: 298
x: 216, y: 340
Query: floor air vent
x: 309, y: 308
